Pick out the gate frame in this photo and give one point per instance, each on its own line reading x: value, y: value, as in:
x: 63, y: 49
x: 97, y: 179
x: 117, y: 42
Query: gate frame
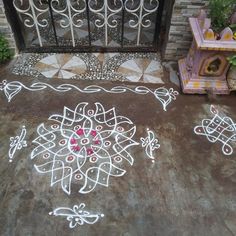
x: 13, y: 21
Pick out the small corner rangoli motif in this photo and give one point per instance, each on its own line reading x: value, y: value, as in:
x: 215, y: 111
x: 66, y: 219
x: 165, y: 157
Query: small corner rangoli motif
x: 150, y: 143
x: 77, y: 215
x: 218, y: 129
x: 17, y: 143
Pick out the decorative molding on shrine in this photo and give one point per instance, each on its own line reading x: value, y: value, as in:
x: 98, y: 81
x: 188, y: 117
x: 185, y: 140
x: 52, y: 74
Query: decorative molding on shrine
x: 205, y: 37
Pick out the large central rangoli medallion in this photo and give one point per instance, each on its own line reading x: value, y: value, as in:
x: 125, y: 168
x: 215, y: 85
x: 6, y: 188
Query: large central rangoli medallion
x: 84, y: 146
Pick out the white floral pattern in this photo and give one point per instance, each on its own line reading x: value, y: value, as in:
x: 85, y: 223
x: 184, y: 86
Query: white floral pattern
x: 77, y: 215
x: 84, y: 145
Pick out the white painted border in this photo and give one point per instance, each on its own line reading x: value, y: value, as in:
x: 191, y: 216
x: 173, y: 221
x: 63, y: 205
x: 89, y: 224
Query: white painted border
x: 163, y: 95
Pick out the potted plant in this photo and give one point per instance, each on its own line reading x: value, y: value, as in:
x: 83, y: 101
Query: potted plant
x: 220, y: 13
x: 206, y: 65
x: 233, y: 24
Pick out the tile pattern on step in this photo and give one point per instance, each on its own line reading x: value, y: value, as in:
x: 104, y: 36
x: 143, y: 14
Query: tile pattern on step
x: 133, y: 67
x: 142, y: 70
x: 26, y: 65
x: 63, y: 66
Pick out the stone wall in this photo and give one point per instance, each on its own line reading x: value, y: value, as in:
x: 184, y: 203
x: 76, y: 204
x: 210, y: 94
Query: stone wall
x: 179, y: 38
x: 5, y: 28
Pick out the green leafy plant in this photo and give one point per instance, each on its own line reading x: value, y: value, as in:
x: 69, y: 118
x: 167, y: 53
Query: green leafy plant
x: 233, y: 26
x: 220, y: 13
x: 232, y: 60
x: 5, y: 52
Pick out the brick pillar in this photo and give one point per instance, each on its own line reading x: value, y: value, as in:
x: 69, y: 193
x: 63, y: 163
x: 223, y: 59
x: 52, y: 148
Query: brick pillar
x: 179, y: 37
x: 5, y: 28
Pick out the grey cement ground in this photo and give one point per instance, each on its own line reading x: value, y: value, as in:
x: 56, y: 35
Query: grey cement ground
x: 189, y: 190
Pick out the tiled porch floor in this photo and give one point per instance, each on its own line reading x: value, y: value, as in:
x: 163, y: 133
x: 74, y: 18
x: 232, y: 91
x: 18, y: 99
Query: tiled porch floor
x: 180, y: 184
x: 133, y: 67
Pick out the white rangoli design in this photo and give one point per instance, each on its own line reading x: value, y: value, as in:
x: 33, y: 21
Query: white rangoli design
x: 77, y: 215
x: 17, y: 143
x: 163, y: 95
x: 219, y: 129
x: 150, y: 143
x: 84, y: 146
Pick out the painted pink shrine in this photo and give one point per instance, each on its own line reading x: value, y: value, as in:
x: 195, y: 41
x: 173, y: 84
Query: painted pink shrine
x: 205, y: 67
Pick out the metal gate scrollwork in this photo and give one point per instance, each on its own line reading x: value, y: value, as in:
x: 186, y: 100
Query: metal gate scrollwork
x: 70, y: 19
x: 140, y: 13
x: 107, y: 19
x: 30, y: 13
x: 80, y: 24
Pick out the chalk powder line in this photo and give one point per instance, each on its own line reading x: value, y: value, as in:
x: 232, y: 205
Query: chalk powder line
x: 163, y: 95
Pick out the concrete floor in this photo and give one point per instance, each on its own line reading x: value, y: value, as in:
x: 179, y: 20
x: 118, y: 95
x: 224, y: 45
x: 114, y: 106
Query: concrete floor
x: 189, y: 190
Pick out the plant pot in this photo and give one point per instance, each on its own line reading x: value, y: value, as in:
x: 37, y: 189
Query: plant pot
x: 206, y: 66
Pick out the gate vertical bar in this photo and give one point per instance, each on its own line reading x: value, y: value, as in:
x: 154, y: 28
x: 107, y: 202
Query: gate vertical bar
x: 36, y: 22
x: 158, y: 22
x: 122, y: 25
x: 52, y: 20
x: 88, y: 20
x: 140, y: 22
x: 71, y: 24
x: 106, y: 26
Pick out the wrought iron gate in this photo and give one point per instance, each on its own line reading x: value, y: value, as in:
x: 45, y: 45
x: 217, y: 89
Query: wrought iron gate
x: 86, y: 25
